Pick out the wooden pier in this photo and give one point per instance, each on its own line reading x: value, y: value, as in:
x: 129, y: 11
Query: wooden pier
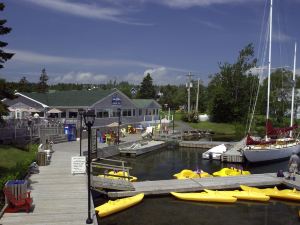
x: 160, y: 187
x: 202, y: 144
x: 140, y: 148
x: 58, y: 196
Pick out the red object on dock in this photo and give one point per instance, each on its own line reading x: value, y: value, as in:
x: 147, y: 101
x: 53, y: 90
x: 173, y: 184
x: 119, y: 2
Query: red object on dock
x: 17, y: 200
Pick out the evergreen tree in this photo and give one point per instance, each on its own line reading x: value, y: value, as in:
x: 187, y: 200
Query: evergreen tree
x: 5, y: 92
x: 4, y: 56
x: 42, y: 85
x: 147, y: 90
x: 24, y: 85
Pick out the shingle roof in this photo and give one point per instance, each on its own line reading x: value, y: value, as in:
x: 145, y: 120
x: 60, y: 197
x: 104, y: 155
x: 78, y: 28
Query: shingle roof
x: 70, y: 98
x: 145, y: 103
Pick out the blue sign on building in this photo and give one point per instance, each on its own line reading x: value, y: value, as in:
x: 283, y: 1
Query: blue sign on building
x: 116, y: 100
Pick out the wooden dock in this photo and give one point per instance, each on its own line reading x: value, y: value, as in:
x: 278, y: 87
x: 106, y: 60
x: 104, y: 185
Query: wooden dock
x: 160, y: 187
x: 202, y: 144
x: 140, y: 148
x: 59, y: 197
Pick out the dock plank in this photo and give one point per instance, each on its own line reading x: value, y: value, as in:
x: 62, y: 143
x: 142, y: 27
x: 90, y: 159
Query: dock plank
x: 189, y: 185
x: 59, y: 197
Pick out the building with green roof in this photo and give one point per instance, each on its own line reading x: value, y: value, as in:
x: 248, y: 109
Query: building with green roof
x: 64, y: 106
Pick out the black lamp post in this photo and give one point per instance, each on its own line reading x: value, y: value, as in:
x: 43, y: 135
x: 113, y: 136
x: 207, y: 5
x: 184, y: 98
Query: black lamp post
x: 89, y: 119
x: 119, y: 123
x: 80, y: 111
x: 30, y: 128
x: 173, y: 120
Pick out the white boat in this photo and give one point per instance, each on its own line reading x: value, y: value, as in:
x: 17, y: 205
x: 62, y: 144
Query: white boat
x: 215, y: 152
x: 279, y: 142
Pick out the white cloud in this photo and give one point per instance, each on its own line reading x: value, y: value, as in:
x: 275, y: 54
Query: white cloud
x: 160, y: 75
x: 192, y: 3
x: 281, y: 37
x: 94, y: 11
x: 210, y: 25
x: 37, y: 58
x: 81, y: 77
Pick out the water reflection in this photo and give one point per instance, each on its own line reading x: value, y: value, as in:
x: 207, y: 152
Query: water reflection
x: 166, y: 210
x: 162, y: 164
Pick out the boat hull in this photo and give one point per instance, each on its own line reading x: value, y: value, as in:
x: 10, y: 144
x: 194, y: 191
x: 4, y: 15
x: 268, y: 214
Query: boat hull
x: 118, y: 205
x: 269, y: 154
x: 243, y: 195
x: 286, y: 194
x: 204, y: 197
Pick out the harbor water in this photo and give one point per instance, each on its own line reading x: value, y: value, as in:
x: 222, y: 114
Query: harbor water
x: 163, y: 210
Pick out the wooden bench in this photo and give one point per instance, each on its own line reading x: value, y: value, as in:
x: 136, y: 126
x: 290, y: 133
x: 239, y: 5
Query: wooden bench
x: 17, y: 197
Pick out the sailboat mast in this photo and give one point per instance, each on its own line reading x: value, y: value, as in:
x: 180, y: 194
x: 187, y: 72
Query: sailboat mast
x: 270, y: 54
x: 293, y: 90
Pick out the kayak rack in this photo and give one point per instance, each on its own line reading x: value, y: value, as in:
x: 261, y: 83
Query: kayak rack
x: 102, y: 167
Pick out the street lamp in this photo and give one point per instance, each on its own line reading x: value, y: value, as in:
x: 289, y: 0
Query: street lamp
x: 80, y: 111
x: 119, y: 123
x: 89, y: 119
x: 30, y: 128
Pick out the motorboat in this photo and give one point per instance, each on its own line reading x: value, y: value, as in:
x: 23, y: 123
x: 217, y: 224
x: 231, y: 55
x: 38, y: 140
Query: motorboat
x: 215, y: 152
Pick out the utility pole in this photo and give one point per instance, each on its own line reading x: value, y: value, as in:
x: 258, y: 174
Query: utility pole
x: 189, y: 85
x: 197, y: 99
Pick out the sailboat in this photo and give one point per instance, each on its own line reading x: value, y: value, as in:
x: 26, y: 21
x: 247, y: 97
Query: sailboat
x: 279, y: 142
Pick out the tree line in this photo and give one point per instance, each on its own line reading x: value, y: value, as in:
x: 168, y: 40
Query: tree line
x: 229, y: 96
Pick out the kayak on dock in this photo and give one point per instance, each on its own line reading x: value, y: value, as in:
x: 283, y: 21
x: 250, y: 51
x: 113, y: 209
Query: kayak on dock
x: 205, y: 197
x: 119, y: 175
x: 187, y: 174
x: 287, y: 194
x: 243, y: 195
x: 230, y: 172
x: 117, y: 205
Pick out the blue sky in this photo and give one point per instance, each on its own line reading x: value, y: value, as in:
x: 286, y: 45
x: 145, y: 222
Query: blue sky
x: 93, y: 41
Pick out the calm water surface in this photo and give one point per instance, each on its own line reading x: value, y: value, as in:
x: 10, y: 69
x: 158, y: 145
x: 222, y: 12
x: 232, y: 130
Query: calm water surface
x: 162, y: 164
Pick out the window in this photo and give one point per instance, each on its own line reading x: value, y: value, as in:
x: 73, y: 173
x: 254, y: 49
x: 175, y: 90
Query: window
x: 102, y: 113
x: 115, y: 113
x: 140, y: 112
x: 153, y: 111
x: 126, y: 112
x: 106, y: 113
x: 72, y: 114
x: 99, y: 114
x: 133, y: 112
x: 63, y: 115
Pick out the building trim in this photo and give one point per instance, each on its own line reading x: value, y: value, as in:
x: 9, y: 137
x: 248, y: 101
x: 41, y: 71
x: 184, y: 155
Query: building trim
x: 42, y: 104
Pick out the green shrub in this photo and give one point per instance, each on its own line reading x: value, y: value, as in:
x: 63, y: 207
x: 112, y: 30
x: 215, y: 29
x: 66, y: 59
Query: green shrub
x: 192, y: 117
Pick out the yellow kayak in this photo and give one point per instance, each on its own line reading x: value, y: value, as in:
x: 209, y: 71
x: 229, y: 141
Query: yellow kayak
x: 187, y: 174
x: 287, y: 194
x: 117, y: 205
x: 119, y: 173
x: 244, y: 195
x: 204, y: 197
x: 230, y: 172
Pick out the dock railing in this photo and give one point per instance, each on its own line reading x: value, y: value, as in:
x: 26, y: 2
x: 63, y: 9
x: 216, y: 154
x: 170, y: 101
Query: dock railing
x: 106, y: 165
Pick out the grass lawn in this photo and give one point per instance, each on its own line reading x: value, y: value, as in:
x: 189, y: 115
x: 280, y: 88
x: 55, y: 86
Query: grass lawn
x: 10, y: 156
